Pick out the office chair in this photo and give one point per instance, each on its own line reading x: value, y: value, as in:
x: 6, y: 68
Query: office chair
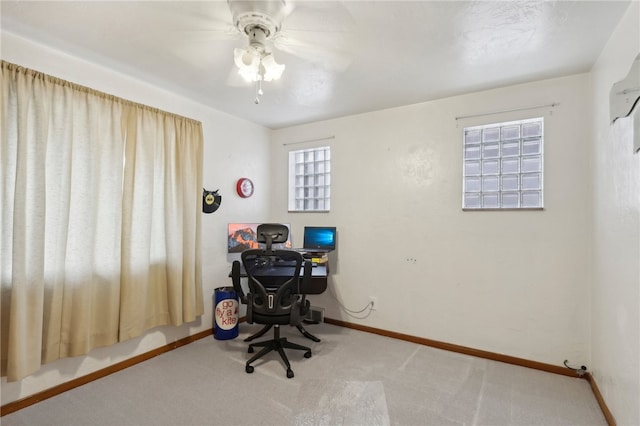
x: 276, y: 295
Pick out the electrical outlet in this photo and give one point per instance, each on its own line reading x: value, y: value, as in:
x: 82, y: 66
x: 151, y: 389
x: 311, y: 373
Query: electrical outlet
x: 374, y: 302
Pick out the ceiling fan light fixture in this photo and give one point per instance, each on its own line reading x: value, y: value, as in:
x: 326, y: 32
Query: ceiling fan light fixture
x: 254, y: 66
x: 260, y: 21
x: 270, y: 69
x: 248, y: 63
x: 246, y: 58
x: 248, y: 74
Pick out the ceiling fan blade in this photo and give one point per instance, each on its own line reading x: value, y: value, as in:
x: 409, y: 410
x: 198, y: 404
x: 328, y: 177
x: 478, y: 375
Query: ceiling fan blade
x: 319, y: 16
x: 319, y: 32
x: 202, y: 21
x: 333, y: 50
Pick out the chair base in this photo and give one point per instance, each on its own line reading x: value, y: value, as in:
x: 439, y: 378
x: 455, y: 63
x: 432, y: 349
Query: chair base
x: 276, y: 344
x: 267, y: 327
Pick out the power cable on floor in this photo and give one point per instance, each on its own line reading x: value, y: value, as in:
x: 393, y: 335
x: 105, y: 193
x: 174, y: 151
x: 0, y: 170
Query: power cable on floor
x: 368, y: 307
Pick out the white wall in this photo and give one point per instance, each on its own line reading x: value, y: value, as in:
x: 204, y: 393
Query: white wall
x: 510, y: 282
x: 232, y: 148
x: 615, y: 306
x: 517, y: 283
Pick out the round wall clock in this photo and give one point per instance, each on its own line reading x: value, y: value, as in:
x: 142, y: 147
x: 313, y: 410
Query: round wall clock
x: 244, y: 187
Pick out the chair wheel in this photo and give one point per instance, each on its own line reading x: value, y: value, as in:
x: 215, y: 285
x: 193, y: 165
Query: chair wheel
x: 307, y: 354
x: 249, y: 369
x: 289, y: 373
x: 250, y: 350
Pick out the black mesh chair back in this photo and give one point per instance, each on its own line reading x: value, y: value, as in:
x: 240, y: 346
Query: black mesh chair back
x: 275, y: 296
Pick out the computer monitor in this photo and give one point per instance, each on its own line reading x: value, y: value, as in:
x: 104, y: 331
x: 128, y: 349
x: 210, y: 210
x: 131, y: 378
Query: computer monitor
x: 320, y: 238
x: 243, y: 236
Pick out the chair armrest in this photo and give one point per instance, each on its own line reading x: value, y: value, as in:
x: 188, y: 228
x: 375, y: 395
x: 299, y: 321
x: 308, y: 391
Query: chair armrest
x: 305, y: 285
x: 249, y: 313
x: 302, y: 305
x: 235, y: 278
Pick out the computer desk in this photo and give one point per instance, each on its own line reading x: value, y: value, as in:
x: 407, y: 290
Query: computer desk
x: 319, y: 278
x: 319, y: 275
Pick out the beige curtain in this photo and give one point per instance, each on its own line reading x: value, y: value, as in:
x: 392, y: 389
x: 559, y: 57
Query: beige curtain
x: 100, y: 226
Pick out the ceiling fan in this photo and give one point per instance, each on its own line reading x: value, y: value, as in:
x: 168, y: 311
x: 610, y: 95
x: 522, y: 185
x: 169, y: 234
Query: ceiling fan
x: 262, y: 22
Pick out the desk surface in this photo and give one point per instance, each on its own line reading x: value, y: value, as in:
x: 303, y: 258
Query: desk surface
x: 319, y: 275
x: 319, y: 271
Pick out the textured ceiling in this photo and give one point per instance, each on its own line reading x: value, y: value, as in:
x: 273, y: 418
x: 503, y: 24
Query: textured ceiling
x: 341, y: 57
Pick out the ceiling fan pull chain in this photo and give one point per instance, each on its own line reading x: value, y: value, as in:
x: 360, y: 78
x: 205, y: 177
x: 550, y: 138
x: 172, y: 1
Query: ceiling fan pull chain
x: 259, y: 78
x: 259, y: 91
x: 257, y: 99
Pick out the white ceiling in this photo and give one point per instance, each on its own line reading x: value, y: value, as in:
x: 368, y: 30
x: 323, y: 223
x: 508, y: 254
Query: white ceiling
x: 341, y: 57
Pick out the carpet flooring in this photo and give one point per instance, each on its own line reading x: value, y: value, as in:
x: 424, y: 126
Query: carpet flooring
x: 353, y: 378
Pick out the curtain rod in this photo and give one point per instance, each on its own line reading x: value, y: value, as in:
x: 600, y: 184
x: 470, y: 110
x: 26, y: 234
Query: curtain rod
x: 310, y: 140
x: 554, y: 104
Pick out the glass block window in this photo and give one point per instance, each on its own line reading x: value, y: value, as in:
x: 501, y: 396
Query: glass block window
x: 310, y: 179
x: 503, y: 165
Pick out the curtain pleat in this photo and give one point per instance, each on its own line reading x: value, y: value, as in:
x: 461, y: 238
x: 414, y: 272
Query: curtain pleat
x: 101, y: 202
